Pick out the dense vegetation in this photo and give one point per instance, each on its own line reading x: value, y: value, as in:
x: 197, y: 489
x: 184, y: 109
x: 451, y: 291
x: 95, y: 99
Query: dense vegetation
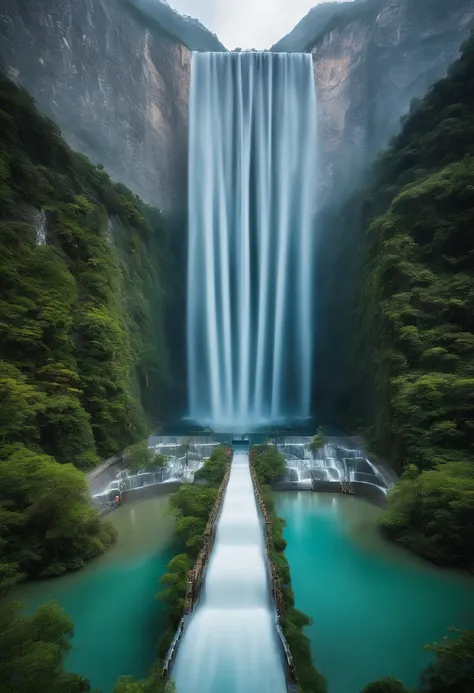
x: 452, y: 671
x: 33, y: 649
x: 83, y: 360
x: 268, y: 464
x: 418, y: 303
x: 192, y: 505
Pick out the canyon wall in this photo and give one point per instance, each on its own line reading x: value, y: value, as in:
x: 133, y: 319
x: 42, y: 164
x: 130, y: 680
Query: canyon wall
x: 113, y: 80
x: 370, y: 62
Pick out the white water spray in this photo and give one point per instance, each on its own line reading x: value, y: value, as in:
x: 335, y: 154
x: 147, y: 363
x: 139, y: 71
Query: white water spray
x: 251, y: 190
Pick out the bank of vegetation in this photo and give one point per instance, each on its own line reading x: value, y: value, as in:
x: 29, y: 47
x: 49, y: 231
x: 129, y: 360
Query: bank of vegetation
x: 192, y: 505
x: 268, y: 464
x: 83, y: 357
x: 33, y: 648
x: 417, y: 334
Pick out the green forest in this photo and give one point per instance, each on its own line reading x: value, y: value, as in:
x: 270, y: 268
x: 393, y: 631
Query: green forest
x: 84, y: 368
x: 416, y: 319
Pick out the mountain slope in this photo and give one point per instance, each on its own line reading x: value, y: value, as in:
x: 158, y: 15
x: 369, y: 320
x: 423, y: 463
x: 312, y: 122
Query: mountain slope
x: 303, y: 37
x: 418, y: 303
x: 187, y: 30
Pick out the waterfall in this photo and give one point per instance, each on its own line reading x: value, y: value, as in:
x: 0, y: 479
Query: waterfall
x: 40, y: 227
x: 252, y: 167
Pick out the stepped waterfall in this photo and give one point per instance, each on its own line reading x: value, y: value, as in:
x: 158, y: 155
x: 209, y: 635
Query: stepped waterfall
x: 251, y: 190
x: 231, y: 643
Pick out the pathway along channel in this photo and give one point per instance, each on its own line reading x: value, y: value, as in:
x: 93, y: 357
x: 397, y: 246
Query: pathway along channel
x: 231, y: 643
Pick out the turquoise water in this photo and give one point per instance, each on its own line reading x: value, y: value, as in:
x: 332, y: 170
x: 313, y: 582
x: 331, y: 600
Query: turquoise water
x: 373, y: 605
x: 117, y: 619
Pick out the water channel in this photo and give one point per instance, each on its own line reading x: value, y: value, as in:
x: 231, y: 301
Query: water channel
x: 373, y: 604
x: 231, y: 643
x: 112, y: 600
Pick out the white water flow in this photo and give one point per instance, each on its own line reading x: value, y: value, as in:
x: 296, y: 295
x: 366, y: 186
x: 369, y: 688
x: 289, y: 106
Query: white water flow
x: 252, y: 149
x: 231, y: 643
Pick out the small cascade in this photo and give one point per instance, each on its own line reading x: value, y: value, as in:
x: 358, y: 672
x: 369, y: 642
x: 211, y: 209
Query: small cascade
x: 337, y: 461
x: 40, y: 227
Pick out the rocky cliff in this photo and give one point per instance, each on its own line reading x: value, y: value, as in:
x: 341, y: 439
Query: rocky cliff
x: 115, y: 75
x: 370, y: 61
x: 116, y: 83
x: 370, y: 64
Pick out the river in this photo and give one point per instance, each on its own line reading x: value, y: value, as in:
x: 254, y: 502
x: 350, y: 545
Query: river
x: 112, y: 600
x: 373, y: 604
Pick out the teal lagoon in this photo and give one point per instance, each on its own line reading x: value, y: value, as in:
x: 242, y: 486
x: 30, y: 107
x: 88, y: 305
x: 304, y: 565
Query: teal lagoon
x: 112, y: 600
x: 373, y: 605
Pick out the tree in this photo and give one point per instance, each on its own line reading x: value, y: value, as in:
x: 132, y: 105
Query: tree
x: 139, y: 456
x: 186, y: 445
x: 317, y: 442
x: 33, y: 650
x: 175, y: 582
x: 453, y: 671
x: 48, y: 526
x: 386, y: 685
x: 268, y: 463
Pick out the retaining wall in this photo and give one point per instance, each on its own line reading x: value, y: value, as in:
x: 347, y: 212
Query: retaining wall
x: 357, y: 488
x: 276, y: 586
x: 150, y: 491
x: 196, y: 576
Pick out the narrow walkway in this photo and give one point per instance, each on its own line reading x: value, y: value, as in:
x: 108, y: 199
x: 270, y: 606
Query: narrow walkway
x: 230, y: 645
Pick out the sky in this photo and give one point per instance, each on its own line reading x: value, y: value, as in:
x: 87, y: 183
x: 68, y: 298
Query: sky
x: 247, y: 23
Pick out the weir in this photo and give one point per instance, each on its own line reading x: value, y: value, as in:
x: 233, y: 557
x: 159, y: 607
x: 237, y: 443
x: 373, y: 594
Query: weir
x: 252, y: 168
x: 231, y: 642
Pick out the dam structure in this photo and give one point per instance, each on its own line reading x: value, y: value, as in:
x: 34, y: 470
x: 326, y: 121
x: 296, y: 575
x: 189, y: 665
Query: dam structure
x: 231, y: 642
x: 252, y: 173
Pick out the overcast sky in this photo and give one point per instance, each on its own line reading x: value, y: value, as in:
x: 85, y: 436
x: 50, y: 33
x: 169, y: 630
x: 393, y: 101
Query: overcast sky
x: 247, y: 23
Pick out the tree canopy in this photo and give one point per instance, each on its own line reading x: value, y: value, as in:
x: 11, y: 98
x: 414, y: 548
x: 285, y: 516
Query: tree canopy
x: 417, y: 345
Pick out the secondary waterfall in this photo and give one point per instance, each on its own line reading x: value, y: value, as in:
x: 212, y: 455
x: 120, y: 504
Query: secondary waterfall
x: 252, y: 151
x: 231, y: 643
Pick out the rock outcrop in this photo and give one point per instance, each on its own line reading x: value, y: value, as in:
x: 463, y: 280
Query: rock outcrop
x: 369, y: 64
x: 113, y: 80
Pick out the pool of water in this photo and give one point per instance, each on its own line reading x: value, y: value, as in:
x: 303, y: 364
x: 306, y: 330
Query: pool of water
x: 112, y: 600
x: 373, y: 604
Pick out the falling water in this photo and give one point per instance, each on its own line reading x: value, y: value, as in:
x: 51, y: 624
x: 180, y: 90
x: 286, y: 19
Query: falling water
x: 251, y: 189
x: 40, y: 227
x: 231, y: 641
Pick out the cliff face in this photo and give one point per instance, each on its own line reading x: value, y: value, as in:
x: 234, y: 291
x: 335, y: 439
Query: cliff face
x: 372, y: 60
x: 115, y: 76
x: 116, y: 84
